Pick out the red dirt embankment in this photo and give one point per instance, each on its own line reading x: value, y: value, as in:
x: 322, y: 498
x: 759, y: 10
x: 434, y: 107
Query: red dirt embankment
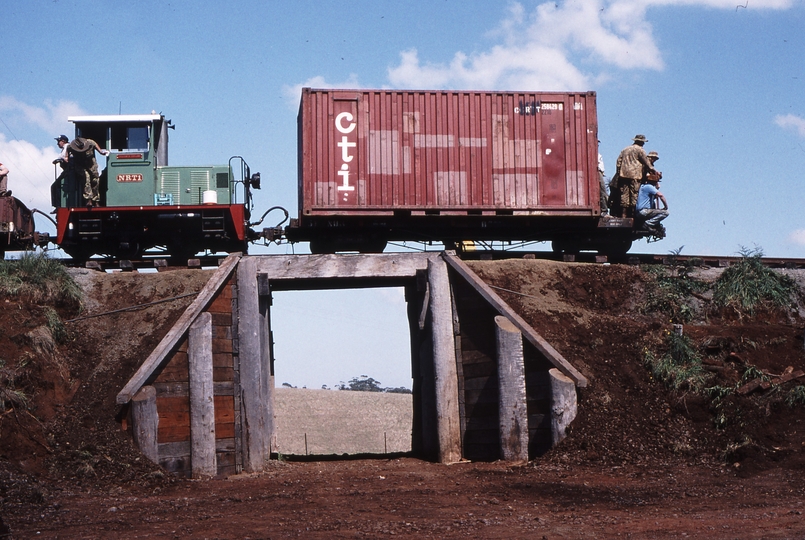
x: 641, y: 460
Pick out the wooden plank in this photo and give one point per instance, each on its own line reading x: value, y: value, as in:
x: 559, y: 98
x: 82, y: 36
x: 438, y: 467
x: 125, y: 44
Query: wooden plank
x: 173, y: 433
x: 145, y: 422
x: 180, y: 389
x: 202, y: 405
x: 158, y: 356
x: 223, y: 374
x: 221, y: 304
x: 182, y: 448
x: 503, y: 309
x: 220, y: 346
x: 222, y: 332
x: 383, y: 265
x: 789, y: 375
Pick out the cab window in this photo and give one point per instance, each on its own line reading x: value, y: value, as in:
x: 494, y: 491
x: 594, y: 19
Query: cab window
x: 127, y: 138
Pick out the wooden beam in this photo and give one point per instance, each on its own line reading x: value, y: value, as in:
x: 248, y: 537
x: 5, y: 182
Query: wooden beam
x: 202, y: 407
x: 503, y: 308
x: 444, y: 360
x: 383, y: 265
x: 145, y: 422
x: 254, y: 376
x: 159, y: 355
x: 512, y: 406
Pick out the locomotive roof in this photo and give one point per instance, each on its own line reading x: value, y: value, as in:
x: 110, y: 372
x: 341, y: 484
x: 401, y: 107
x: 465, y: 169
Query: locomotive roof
x: 113, y: 118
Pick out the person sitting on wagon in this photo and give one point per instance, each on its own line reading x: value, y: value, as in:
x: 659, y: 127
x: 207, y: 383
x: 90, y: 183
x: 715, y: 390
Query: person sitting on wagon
x: 82, y: 155
x: 4, y: 191
x: 647, y: 207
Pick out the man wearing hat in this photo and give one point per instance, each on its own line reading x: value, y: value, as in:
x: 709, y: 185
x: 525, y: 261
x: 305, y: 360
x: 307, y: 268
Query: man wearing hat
x: 631, y: 165
x: 81, y: 152
x: 55, y: 187
x: 647, y: 204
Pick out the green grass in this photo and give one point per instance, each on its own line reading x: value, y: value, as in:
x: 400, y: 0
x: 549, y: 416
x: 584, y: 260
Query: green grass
x: 680, y: 366
x: 748, y: 286
x: 672, y: 289
x: 38, y: 278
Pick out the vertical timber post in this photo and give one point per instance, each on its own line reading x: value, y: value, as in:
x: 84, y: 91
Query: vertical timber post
x: 512, y: 406
x: 267, y: 354
x: 563, y: 404
x: 256, y: 430
x: 202, y: 404
x: 146, y: 422
x: 444, y: 362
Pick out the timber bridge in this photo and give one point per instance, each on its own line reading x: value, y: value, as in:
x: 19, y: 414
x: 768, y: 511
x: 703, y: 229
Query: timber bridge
x: 486, y: 386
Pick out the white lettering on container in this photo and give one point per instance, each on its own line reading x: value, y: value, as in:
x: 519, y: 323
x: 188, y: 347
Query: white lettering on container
x: 345, y: 144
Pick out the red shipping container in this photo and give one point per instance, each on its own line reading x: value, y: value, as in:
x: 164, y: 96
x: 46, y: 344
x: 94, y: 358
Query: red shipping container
x: 374, y: 152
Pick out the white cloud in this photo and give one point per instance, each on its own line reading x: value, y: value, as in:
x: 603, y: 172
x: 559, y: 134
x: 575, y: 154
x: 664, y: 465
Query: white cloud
x: 790, y: 121
x: 797, y: 237
x: 51, y: 117
x: 293, y: 93
x: 30, y: 173
x: 545, y: 49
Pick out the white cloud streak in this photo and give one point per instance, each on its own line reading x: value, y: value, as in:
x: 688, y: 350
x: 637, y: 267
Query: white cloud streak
x: 797, y: 237
x: 545, y: 49
x: 30, y: 172
x: 791, y: 122
x: 292, y: 93
x: 51, y: 117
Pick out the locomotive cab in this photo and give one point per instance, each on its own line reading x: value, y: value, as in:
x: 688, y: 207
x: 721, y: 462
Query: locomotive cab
x: 144, y: 202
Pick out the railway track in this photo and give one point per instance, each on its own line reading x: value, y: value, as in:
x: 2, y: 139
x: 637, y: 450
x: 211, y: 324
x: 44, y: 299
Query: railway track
x: 717, y: 261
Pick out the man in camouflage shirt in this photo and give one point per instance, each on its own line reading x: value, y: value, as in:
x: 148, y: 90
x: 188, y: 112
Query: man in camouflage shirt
x: 632, y: 165
x: 82, y: 156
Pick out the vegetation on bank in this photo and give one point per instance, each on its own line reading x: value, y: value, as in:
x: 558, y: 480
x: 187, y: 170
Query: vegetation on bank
x: 41, y: 282
x: 745, y: 289
x: 39, y: 279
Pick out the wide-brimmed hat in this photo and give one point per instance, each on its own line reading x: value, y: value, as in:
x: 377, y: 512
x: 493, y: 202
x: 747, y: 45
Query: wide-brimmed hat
x: 653, y: 155
x: 62, y: 138
x: 641, y: 138
x: 79, y: 144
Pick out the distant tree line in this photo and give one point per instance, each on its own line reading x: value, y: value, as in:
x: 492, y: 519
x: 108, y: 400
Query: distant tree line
x: 363, y: 384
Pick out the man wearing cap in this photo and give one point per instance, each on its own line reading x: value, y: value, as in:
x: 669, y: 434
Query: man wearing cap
x: 55, y: 187
x: 4, y: 192
x: 82, y: 153
x: 632, y: 165
x: 647, y: 205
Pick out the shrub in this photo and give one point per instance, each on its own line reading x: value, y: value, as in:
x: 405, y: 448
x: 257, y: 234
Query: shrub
x: 748, y: 285
x: 796, y: 396
x: 40, y: 278
x: 680, y: 366
x: 672, y: 288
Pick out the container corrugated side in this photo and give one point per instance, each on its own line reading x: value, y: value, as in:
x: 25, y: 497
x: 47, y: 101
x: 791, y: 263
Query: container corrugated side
x: 379, y: 151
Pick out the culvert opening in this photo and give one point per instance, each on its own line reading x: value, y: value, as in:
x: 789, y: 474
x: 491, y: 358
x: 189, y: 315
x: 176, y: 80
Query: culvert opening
x: 342, y: 373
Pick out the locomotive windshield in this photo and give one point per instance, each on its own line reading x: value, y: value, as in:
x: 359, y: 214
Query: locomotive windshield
x: 127, y: 138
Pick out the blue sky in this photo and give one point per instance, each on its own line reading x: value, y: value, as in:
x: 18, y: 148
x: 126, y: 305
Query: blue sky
x: 716, y: 86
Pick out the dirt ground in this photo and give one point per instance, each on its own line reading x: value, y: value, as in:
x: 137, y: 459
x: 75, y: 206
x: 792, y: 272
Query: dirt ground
x: 641, y: 460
